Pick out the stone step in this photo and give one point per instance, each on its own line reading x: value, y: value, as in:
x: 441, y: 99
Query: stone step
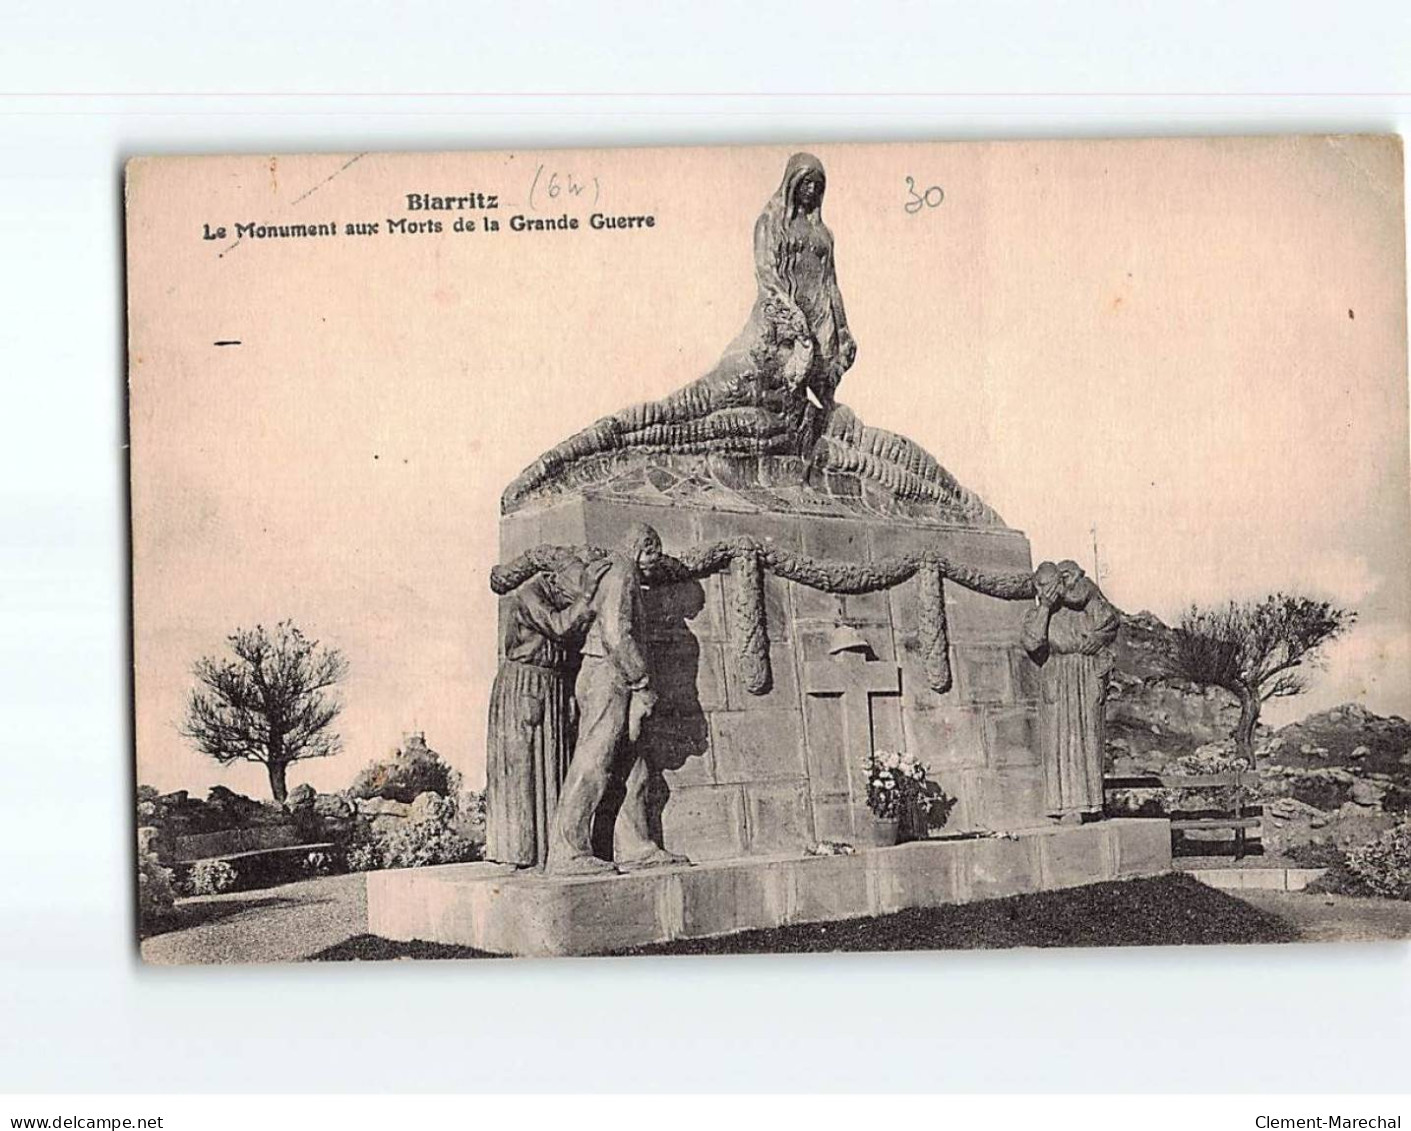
x: 497, y: 908
x: 1257, y: 879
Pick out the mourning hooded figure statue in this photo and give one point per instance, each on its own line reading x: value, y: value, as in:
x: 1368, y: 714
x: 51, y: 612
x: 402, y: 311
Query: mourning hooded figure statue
x: 1069, y: 633
x: 772, y: 393
x: 531, y: 724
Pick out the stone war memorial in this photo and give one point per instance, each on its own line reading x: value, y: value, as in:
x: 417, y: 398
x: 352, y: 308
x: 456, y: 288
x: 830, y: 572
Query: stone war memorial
x: 724, y: 615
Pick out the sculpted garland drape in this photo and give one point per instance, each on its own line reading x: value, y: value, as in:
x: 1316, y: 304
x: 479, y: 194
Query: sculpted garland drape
x: 748, y: 559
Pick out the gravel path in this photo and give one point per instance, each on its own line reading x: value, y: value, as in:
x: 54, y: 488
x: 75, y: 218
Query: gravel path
x: 281, y: 924
x: 1334, y: 918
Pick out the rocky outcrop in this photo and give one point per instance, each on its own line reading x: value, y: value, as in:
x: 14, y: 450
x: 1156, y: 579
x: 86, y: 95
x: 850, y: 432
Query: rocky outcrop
x: 1335, y: 779
x: 1348, y: 735
x: 179, y: 814
x: 335, y: 806
x: 1153, y: 718
x: 300, y: 798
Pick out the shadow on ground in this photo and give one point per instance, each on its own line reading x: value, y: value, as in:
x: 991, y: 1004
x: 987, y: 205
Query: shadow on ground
x: 194, y: 914
x: 1163, y: 911
x: 284, y: 924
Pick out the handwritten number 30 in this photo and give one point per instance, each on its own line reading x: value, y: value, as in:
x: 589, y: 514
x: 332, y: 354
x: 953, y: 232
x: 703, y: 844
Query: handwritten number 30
x: 930, y: 198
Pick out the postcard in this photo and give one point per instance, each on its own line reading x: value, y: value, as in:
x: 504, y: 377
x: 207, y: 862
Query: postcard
x: 787, y: 548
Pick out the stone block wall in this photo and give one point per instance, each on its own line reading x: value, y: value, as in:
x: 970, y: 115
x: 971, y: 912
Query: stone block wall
x: 744, y: 774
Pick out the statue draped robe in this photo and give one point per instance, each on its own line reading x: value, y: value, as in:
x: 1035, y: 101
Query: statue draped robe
x: 1072, y: 648
x: 531, y: 729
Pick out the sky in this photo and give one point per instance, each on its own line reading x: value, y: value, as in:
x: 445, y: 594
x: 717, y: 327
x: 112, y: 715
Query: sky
x: 1196, y: 349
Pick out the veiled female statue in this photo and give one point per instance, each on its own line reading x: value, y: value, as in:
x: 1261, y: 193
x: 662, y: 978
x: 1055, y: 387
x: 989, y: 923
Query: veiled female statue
x: 531, y: 731
x: 1069, y: 633
x: 772, y: 393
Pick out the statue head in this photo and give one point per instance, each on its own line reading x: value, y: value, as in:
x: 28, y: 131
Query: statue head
x: 1078, y: 587
x: 644, y: 547
x: 1048, y: 583
x: 556, y: 588
x: 566, y: 581
x: 804, y: 184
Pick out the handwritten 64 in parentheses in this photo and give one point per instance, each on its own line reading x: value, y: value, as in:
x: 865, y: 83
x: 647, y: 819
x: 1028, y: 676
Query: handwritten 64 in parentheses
x: 557, y: 188
x: 927, y: 198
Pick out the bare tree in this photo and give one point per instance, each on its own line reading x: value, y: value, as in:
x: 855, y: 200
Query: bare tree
x: 268, y: 704
x: 1255, y: 650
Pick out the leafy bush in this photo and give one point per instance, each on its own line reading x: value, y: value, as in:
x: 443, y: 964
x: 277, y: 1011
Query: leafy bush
x: 472, y: 811
x: 1321, y: 855
x: 211, y: 877
x: 414, y: 844
x: 439, y: 836
x: 409, y: 772
x: 364, y: 857
x: 1383, y: 866
x: 317, y: 864
x: 155, y: 894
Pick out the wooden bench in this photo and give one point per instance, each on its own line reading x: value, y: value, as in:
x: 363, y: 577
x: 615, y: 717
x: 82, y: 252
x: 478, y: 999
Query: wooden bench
x: 283, y: 850
x: 1241, y: 819
x: 259, y: 867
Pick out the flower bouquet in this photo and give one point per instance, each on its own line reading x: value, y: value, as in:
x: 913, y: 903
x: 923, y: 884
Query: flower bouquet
x: 899, y: 794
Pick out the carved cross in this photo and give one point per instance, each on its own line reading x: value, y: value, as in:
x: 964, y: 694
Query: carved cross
x: 851, y: 675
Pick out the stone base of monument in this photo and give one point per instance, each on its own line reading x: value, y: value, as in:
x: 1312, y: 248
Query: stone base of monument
x: 495, y: 908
